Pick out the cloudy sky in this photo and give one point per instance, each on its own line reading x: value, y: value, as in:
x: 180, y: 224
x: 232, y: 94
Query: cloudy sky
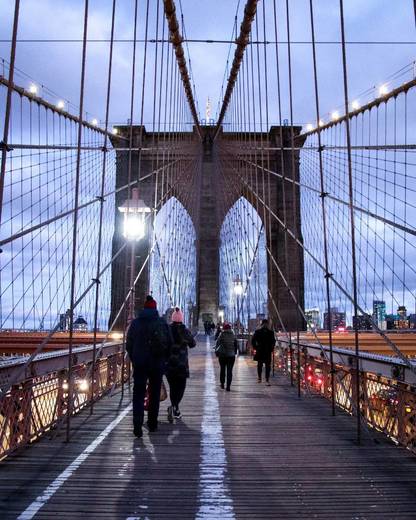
x: 57, y: 65
x: 380, y: 35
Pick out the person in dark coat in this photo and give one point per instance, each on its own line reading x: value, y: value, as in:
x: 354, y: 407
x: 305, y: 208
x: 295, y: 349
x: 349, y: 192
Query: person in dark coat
x: 177, y: 370
x: 148, y: 344
x: 263, y: 342
x: 226, y: 349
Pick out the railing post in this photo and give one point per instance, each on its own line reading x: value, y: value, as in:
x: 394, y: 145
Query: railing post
x: 291, y: 362
x: 401, y: 415
x: 61, y: 404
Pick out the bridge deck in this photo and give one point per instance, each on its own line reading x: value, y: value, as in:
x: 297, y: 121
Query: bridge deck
x: 266, y: 454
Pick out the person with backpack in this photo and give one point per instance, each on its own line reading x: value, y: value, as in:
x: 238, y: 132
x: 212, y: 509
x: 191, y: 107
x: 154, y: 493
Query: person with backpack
x: 177, y: 370
x: 263, y: 342
x: 148, y: 344
x: 226, y: 348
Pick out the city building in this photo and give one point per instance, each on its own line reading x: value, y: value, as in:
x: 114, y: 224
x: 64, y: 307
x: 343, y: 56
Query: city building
x: 362, y: 322
x: 379, y: 314
x: 80, y: 324
x: 402, y: 321
x: 313, y: 319
x: 338, y: 319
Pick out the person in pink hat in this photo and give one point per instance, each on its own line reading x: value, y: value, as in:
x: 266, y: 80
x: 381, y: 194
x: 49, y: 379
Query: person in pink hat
x: 177, y: 370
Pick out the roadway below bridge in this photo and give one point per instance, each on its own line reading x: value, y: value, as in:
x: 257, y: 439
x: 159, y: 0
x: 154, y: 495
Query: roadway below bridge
x: 369, y: 341
x: 256, y: 452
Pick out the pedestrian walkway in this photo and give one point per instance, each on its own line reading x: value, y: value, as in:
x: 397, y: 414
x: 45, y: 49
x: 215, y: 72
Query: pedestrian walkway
x: 255, y: 452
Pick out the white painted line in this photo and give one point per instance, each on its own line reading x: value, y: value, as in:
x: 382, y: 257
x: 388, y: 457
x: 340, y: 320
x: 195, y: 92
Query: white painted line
x: 214, y: 494
x: 42, y: 499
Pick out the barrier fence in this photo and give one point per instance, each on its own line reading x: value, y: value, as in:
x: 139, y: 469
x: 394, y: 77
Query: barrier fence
x: 387, y: 404
x: 40, y: 402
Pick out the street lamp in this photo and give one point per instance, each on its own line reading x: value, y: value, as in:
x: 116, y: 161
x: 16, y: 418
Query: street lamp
x: 238, y: 291
x: 134, y: 229
x: 134, y: 211
x: 238, y: 286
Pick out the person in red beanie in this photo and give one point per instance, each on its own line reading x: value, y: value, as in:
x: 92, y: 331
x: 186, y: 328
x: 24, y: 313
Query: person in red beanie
x: 148, y: 344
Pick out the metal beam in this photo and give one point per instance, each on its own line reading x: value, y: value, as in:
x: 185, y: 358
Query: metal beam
x: 176, y: 39
x: 242, y: 42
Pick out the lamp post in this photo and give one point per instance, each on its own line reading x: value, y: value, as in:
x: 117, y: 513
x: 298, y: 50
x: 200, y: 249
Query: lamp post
x: 238, y: 291
x: 134, y: 229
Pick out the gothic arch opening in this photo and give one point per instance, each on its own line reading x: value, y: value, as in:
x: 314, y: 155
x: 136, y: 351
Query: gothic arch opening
x: 173, y: 260
x: 243, y: 266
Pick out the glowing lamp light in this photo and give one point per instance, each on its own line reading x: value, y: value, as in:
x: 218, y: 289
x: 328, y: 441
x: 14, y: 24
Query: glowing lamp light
x: 238, y: 286
x: 60, y: 105
x: 309, y: 127
x: 335, y: 115
x: 355, y: 105
x: 383, y: 90
x: 321, y: 123
x: 114, y: 131
x: 65, y: 386
x: 134, y: 211
x: 33, y: 89
x: 221, y: 315
x: 116, y: 335
x: 83, y: 385
x: 94, y: 122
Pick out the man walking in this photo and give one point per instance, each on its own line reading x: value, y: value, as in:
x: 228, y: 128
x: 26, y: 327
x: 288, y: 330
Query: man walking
x: 263, y: 342
x: 226, y: 349
x: 148, y: 345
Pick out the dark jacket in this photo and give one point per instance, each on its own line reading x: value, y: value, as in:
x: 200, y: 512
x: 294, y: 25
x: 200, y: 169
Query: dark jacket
x: 178, y: 365
x: 149, y: 340
x: 226, y: 345
x: 263, y: 341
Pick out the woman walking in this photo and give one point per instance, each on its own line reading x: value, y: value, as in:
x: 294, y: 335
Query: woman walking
x: 178, y: 367
x: 226, y: 349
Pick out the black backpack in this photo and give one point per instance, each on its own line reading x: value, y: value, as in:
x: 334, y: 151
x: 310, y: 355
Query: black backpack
x: 157, y: 340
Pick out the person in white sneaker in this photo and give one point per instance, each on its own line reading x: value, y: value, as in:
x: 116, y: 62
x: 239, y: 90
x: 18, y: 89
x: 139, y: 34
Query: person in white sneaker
x: 263, y: 342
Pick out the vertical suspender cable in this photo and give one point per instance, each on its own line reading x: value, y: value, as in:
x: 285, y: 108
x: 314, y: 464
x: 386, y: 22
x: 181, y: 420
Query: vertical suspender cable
x: 101, y: 196
x: 129, y: 168
x: 294, y: 198
x: 3, y: 144
x: 351, y: 207
x: 75, y: 225
x: 323, y: 207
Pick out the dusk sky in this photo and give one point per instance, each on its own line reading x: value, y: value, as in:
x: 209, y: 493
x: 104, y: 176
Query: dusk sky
x: 381, y: 42
x: 57, y: 65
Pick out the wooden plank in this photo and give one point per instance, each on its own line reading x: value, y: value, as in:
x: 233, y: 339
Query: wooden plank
x: 285, y: 458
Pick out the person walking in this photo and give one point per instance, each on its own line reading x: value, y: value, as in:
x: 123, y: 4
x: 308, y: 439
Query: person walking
x: 148, y: 344
x: 226, y: 349
x: 263, y: 342
x: 177, y: 370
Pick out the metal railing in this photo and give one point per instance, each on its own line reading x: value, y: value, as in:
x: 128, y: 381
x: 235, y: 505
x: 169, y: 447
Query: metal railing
x: 387, y: 400
x: 40, y: 401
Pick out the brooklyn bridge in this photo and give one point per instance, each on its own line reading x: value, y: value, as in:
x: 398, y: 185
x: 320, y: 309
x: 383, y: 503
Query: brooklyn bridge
x: 233, y: 163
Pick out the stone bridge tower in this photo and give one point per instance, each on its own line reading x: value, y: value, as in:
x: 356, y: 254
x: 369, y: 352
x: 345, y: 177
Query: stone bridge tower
x: 212, y: 198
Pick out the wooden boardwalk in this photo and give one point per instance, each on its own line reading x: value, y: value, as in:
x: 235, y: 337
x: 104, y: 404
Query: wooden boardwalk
x: 255, y: 452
